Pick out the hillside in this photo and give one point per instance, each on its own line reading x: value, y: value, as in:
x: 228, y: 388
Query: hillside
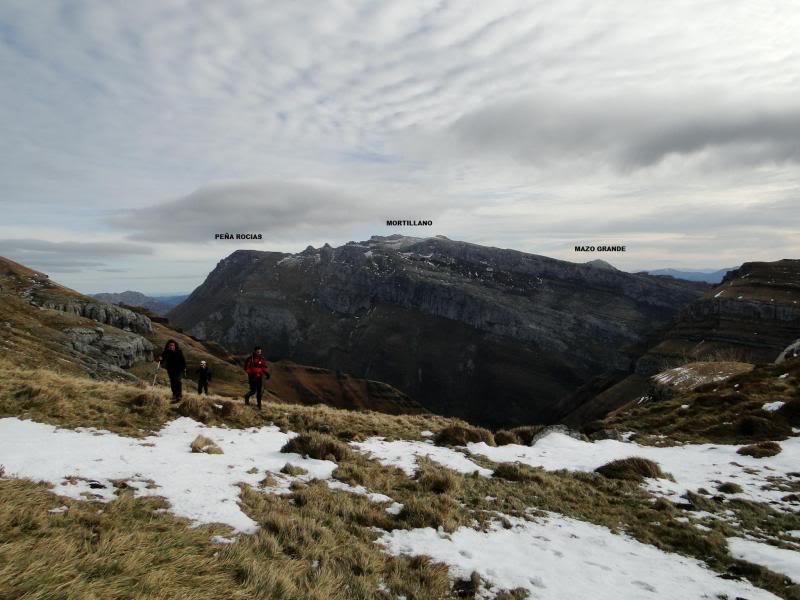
x: 750, y: 317
x: 453, y: 325
x: 44, y: 323
x: 209, y: 499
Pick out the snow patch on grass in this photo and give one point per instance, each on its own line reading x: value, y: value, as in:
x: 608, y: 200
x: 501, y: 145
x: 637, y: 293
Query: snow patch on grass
x: 198, y: 486
x: 558, y: 557
x: 403, y: 454
x: 693, y: 466
x: 779, y: 560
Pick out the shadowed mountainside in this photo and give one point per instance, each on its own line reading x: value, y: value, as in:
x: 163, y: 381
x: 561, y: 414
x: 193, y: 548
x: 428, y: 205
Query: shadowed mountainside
x: 494, y: 336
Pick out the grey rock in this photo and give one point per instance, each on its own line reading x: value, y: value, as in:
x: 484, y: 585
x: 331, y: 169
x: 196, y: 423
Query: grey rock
x: 108, y: 314
x: 116, y: 348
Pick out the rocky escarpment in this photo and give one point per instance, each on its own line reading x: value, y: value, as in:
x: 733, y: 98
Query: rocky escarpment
x: 750, y: 317
x: 116, y: 316
x: 495, y: 336
x: 119, y: 348
x: 46, y: 323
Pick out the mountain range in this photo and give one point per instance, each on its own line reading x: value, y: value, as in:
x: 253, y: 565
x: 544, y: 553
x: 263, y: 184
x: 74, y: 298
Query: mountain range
x: 491, y: 335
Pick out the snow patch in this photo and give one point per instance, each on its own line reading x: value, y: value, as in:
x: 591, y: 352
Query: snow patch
x: 693, y: 465
x: 198, y: 486
x: 404, y: 453
x: 558, y: 557
x: 779, y: 560
x: 772, y: 406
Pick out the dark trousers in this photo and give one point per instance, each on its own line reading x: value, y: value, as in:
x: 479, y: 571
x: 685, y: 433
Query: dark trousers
x: 175, y: 384
x: 202, y: 386
x: 256, y: 386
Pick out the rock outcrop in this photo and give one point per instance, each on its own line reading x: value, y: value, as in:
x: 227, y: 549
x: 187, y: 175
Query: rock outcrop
x: 119, y: 348
x: 491, y: 335
x: 108, y: 314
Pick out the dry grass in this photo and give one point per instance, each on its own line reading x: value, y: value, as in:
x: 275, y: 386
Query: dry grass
x: 205, y: 445
x: 633, y: 468
x: 760, y: 450
x: 314, y: 542
x: 139, y: 409
x: 728, y: 412
x: 729, y: 488
x: 460, y: 435
x: 318, y: 445
x: 526, y: 433
x: 505, y: 437
x: 293, y: 470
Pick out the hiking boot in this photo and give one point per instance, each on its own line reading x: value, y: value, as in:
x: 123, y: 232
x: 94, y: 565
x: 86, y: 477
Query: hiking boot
x: 246, y: 400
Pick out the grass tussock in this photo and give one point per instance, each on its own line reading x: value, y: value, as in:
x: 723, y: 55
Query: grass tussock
x: 460, y: 435
x: 634, y: 468
x: 293, y: 470
x: 527, y: 433
x: 729, y: 487
x: 318, y: 445
x: 196, y: 408
x: 505, y: 437
x: 204, y: 445
x: 437, y: 480
x: 760, y: 450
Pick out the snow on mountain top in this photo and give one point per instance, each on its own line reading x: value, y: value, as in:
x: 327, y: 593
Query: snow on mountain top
x: 558, y: 557
x: 693, y: 466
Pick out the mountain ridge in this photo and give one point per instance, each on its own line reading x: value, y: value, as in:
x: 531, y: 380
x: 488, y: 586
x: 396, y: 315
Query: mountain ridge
x: 450, y: 323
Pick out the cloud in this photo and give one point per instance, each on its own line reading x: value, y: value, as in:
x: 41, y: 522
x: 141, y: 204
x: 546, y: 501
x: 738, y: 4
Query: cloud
x: 496, y: 119
x: 278, y: 210
x: 631, y: 131
x: 68, y: 257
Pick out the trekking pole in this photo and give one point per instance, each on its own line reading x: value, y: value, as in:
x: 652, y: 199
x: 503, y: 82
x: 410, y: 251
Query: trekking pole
x: 155, y: 373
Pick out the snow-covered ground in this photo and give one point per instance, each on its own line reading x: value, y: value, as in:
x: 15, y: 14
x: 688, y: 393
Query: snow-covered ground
x: 403, y: 454
x: 775, y: 559
x: 693, y: 466
x: 201, y: 487
x: 557, y: 557
x: 553, y: 557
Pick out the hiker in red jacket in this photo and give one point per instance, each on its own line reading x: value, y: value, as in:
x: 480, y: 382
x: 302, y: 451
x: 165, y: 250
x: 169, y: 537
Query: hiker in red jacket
x: 256, y: 367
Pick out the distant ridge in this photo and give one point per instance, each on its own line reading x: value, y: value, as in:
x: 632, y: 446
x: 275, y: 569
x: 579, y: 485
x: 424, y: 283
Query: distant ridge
x: 707, y: 275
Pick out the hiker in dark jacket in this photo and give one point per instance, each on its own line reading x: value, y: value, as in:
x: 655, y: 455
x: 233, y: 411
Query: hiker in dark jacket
x: 256, y: 368
x: 203, y: 377
x: 173, y: 361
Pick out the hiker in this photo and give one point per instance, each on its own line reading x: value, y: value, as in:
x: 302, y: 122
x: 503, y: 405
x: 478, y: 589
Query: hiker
x: 173, y: 361
x: 203, y: 377
x: 256, y: 367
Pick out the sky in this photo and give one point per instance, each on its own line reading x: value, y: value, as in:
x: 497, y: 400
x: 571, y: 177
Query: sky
x: 132, y: 133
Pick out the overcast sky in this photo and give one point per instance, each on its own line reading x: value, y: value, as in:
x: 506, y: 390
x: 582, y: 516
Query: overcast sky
x: 132, y: 132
